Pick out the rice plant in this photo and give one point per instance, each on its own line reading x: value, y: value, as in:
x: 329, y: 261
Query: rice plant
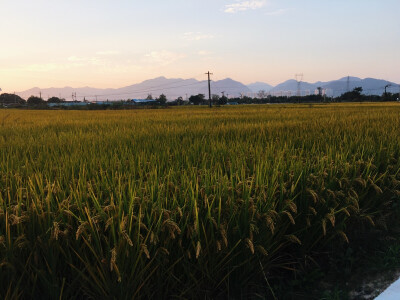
x: 187, y: 202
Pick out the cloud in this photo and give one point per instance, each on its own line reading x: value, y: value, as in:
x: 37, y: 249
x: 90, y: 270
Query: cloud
x: 108, y: 52
x: 244, y: 5
x: 76, y: 59
x: 101, y: 60
x: 277, y: 12
x: 203, y: 53
x: 197, y: 36
x: 44, y: 67
x: 84, y: 61
x: 162, y: 58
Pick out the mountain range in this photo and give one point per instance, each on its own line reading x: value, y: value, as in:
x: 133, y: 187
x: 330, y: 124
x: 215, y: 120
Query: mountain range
x: 370, y: 86
x: 174, y: 88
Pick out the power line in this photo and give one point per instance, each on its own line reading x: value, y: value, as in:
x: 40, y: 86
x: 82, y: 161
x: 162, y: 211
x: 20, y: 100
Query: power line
x: 144, y: 90
x: 151, y: 88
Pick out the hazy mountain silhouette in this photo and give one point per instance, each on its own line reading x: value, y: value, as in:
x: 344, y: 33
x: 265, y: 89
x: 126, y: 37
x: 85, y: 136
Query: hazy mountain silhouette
x: 172, y: 88
x: 370, y: 86
x: 291, y: 85
x: 178, y: 87
x: 259, y: 86
x: 351, y: 78
x: 229, y: 86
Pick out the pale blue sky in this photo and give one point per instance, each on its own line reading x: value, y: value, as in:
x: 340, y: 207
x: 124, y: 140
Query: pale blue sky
x: 104, y: 43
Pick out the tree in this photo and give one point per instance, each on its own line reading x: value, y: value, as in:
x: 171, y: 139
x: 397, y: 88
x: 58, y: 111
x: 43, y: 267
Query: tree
x: 358, y: 90
x: 11, y: 99
x: 55, y: 100
x: 354, y: 95
x: 33, y: 100
x: 162, y: 99
x: 149, y: 97
x: 215, y: 98
x: 261, y: 94
x: 247, y: 100
x: 223, y: 100
x: 179, y: 101
x: 197, y: 100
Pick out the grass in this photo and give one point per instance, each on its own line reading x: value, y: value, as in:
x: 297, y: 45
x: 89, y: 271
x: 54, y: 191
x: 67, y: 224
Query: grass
x: 189, y: 202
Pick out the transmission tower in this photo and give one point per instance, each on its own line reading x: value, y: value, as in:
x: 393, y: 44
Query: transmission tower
x: 299, y: 79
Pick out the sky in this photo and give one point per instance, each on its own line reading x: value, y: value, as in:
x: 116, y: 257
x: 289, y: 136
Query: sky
x: 115, y: 43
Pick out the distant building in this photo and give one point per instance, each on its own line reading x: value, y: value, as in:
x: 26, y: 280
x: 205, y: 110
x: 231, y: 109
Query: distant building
x: 102, y: 102
x: 143, y: 101
x: 67, y: 104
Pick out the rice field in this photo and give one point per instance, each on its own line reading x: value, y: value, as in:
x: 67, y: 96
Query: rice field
x: 188, y: 202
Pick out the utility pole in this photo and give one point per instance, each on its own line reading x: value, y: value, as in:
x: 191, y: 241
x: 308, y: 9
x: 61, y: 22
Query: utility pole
x: 386, y: 86
x: 209, y: 88
x: 348, y: 84
x: 40, y: 94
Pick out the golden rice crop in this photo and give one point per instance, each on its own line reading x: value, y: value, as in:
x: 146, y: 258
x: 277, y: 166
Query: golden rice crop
x: 183, y: 202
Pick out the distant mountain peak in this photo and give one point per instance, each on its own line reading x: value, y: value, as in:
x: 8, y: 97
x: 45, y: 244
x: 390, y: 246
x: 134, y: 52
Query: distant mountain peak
x: 159, y: 78
x: 259, y: 86
x: 351, y: 78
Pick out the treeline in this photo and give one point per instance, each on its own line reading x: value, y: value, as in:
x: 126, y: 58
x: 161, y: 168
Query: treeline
x: 352, y: 96
x: 13, y: 99
x: 356, y: 95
